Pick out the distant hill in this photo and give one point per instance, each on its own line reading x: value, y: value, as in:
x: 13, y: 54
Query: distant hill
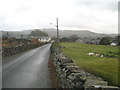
x: 15, y: 33
x: 62, y: 33
x: 80, y: 33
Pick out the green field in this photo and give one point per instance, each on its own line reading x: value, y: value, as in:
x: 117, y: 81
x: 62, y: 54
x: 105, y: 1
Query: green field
x: 104, y: 67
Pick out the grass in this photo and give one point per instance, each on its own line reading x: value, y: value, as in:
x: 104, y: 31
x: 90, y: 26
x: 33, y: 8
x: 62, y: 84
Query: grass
x: 106, y: 68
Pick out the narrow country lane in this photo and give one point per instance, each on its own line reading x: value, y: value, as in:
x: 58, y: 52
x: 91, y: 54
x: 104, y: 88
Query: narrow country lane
x: 28, y: 69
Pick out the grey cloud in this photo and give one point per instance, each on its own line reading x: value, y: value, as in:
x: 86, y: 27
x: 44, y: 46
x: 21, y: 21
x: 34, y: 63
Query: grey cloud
x: 71, y: 25
x: 23, y: 8
x: 99, y: 5
x: 11, y: 27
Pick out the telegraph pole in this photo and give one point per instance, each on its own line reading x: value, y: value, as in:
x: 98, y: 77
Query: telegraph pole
x: 57, y: 30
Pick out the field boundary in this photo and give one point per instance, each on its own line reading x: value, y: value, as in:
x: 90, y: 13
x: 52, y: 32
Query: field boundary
x: 71, y: 76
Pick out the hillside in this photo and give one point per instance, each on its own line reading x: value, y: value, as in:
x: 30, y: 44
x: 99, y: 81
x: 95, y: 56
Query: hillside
x: 62, y: 33
x: 81, y: 33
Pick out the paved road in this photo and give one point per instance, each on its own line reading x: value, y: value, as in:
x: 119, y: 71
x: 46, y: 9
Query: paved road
x: 27, y: 70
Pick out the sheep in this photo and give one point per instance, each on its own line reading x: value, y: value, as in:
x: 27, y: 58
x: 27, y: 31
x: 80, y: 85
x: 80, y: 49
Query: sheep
x: 101, y: 56
x: 91, y: 54
x: 97, y: 55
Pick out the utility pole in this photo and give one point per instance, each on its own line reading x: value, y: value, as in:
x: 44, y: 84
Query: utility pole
x: 57, y: 30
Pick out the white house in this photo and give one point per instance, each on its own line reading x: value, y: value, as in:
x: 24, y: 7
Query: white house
x: 44, y: 39
x: 113, y: 44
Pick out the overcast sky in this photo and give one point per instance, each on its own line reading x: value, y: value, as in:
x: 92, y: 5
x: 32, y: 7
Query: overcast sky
x: 99, y: 16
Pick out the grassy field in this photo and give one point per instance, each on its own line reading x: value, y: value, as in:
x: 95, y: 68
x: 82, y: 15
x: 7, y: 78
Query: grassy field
x: 106, y: 68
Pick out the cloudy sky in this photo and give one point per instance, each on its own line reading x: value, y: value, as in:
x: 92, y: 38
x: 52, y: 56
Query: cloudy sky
x: 99, y: 16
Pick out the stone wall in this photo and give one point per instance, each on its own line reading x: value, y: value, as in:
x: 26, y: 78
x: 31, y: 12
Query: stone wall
x: 9, y: 51
x: 71, y: 76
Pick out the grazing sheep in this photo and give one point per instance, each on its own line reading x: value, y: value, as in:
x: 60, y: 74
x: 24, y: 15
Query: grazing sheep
x: 101, y: 56
x: 91, y: 54
x: 97, y: 55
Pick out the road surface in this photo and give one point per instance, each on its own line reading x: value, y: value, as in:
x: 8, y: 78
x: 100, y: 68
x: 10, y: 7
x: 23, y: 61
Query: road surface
x: 27, y: 70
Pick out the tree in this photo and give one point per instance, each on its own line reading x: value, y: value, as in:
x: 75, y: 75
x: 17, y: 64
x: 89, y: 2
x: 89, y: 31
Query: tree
x: 6, y: 35
x: 38, y: 33
x: 73, y: 38
x: 64, y: 39
x: 117, y: 39
x: 105, y: 41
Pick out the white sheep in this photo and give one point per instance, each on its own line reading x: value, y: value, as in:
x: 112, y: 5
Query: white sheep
x: 97, y: 55
x: 91, y: 54
x: 101, y: 56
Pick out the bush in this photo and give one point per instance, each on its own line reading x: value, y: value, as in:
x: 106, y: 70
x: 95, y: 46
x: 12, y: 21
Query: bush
x: 105, y: 41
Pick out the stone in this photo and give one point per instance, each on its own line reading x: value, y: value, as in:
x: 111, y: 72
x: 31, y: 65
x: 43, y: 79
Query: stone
x: 63, y: 61
x: 66, y: 64
x: 92, y: 81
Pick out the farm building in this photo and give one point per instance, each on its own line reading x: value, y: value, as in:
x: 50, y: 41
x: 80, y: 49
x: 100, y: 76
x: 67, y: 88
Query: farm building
x: 44, y: 39
x: 113, y: 44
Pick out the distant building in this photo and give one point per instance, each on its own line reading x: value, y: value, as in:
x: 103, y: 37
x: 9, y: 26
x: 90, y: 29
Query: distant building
x: 88, y: 41
x: 79, y: 40
x: 44, y: 39
x: 95, y: 41
x: 113, y: 44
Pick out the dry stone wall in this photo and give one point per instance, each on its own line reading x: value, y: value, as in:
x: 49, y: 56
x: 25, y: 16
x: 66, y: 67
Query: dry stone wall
x: 9, y: 51
x: 71, y: 76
